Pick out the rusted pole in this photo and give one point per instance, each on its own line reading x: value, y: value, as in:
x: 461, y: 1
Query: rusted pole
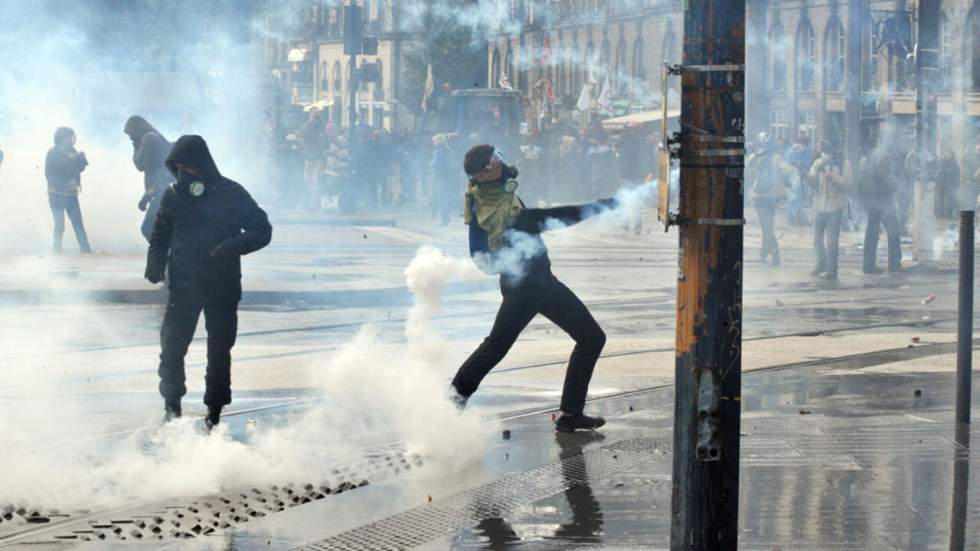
x: 708, y: 369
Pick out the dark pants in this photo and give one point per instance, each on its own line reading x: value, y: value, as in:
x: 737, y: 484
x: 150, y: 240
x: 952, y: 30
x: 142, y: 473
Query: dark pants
x: 61, y: 205
x: 826, y: 236
x: 552, y: 299
x: 889, y: 217
x: 765, y: 207
x: 146, y: 228
x: 179, y: 323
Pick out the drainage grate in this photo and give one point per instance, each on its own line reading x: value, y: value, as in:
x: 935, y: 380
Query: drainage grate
x: 442, y: 518
x: 208, y: 515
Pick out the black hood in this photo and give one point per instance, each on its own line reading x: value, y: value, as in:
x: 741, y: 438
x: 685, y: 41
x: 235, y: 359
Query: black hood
x: 193, y: 151
x: 63, y: 136
x: 137, y: 127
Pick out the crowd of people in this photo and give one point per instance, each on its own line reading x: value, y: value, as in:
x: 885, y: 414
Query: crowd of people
x: 321, y: 167
x: 822, y: 189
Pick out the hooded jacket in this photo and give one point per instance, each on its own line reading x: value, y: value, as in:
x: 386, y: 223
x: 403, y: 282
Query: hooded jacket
x: 188, y: 228
x: 63, y: 165
x: 150, y: 151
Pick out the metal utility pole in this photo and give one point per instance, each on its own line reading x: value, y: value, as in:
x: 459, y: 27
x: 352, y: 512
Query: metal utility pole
x: 854, y: 62
x: 708, y: 369
x: 964, y: 340
x: 926, y: 75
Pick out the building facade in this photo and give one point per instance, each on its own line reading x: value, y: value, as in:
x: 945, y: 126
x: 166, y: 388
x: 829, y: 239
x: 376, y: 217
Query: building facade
x: 797, y: 60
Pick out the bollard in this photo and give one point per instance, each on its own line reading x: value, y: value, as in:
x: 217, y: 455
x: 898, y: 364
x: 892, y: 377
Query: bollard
x: 964, y: 347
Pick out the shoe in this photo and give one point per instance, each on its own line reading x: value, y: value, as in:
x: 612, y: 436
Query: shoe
x: 170, y: 412
x: 816, y: 272
x: 830, y: 276
x: 571, y: 423
x: 874, y: 270
x: 213, y: 417
x: 458, y: 400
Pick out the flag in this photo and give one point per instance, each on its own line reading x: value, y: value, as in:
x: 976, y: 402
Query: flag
x: 430, y: 86
x: 505, y: 82
x: 605, y: 96
x: 584, y: 102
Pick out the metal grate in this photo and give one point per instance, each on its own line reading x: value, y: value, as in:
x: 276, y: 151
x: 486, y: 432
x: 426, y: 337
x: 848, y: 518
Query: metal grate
x: 207, y: 515
x: 444, y: 517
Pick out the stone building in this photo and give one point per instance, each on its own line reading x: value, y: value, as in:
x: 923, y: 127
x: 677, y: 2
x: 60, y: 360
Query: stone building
x: 796, y: 60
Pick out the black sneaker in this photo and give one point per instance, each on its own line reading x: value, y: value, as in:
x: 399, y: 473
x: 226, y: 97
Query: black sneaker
x: 213, y: 418
x: 170, y: 412
x: 458, y: 399
x: 571, y: 423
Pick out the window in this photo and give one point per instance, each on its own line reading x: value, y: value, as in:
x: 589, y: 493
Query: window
x: 604, y: 65
x: 834, y: 52
x: 869, y: 74
x: 639, y: 67
x: 778, y: 124
x: 379, y: 87
x: 338, y: 79
x: 806, y: 56
x: 621, y: 78
x: 945, y: 52
x: 972, y: 32
x: 495, y: 68
x: 589, y: 61
x: 808, y: 127
x: 777, y: 59
x: 324, y: 78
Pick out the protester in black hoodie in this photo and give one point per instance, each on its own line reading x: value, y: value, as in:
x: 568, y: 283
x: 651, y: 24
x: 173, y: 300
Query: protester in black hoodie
x: 63, y: 168
x: 150, y: 150
x: 505, y: 238
x: 205, y: 224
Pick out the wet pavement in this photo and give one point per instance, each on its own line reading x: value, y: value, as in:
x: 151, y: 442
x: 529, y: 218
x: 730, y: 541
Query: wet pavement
x: 839, y: 452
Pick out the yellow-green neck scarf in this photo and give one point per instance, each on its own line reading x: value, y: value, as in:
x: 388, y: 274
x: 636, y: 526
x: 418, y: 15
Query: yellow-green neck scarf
x: 496, y: 208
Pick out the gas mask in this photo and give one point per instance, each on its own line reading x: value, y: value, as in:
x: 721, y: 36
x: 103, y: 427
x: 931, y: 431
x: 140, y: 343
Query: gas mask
x: 189, y: 184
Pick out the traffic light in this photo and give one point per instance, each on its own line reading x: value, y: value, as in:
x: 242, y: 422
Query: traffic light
x: 352, y: 30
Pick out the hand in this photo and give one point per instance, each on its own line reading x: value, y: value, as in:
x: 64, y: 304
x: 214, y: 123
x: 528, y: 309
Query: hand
x: 145, y: 201
x: 154, y: 275
x: 221, y: 252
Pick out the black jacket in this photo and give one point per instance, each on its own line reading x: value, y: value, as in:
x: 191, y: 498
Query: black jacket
x: 188, y: 228
x: 150, y: 151
x: 63, y: 165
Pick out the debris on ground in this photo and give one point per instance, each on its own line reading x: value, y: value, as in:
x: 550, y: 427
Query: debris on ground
x: 805, y: 412
x: 779, y: 302
x: 931, y: 297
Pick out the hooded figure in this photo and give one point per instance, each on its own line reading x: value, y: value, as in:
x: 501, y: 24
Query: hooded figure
x: 150, y: 151
x: 505, y: 238
x: 205, y: 224
x: 63, y: 168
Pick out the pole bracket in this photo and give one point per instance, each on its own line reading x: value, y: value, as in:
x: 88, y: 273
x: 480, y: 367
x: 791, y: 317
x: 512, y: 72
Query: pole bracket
x: 712, y: 221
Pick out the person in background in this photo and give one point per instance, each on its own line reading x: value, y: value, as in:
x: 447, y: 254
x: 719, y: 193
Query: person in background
x: 505, y: 238
x: 206, y: 224
x: 801, y: 158
x: 770, y: 175
x: 947, y: 183
x: 830, y: 178
x: 150, y: 150
x: 63, y: 168
x: 877, y: 181
x: 314, y: 140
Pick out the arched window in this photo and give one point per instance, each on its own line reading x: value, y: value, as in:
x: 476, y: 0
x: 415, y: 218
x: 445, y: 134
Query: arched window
x: 324, y: 78
x: 621, y: 77
x: 668, y: 52
x: 589, y: 62
x: 972, y: 33
x: 604, y: 67
x: 806, y: 56
x: 578, y: 65
x: 508, y: 65
x: 494, y: 68
x: 777, y: 59
x: 639, y: 68
x: 338, y: 79
x: 379, y: 87
x: 834, y: 52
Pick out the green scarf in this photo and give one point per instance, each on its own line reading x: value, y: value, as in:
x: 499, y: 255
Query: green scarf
x: 496, y: 208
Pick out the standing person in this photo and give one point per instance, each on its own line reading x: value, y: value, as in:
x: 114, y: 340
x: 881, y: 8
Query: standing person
x: 801, y: 158
x: 830, y: 180
x: 206, y: 223
x: 947, y: 183
x: 314, y: 140
x: 971, y: 176
x: 505, y: 238
x: 63, y: 168
x: 878, y: 193
x: 150, y: 150
x: 770, y: 175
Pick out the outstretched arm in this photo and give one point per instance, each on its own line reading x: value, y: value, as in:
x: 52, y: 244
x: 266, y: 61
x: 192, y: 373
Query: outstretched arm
x: 537, y: 220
